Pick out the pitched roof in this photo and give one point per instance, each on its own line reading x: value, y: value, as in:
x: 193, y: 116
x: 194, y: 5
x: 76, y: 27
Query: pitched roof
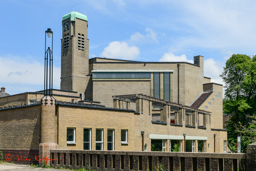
x: 199, y: 101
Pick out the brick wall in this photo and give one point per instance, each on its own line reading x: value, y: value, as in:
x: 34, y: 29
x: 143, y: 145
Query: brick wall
x: 20, y: 128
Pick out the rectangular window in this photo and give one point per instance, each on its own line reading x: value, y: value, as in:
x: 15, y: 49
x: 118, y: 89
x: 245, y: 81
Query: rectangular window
x: 156, y: 85
x: 32, y: 102
x: 99, y: 139
x: 167, y: 86
x: 175, y: 146
x: 121, y: 75
x: 111, y: 137
x: 188, y: 146
x: 124, y: 136
x: 71, y: 135
x: 225, y: 146
x: 87, y: 139
x: 200, y: 146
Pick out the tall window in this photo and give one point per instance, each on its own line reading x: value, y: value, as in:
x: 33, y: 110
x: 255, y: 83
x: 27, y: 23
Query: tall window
x: 200, y: 145
x: 175, y: 145
x: 99, y: 139
x: 111, y: 137
x: 124, y: 136
x: 87, y: 139
x: 71, y: 135
x: 156, y: 84
x: 167, y: 86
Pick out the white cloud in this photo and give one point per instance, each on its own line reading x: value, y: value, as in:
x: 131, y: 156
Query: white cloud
x: 213, y: 69
x: 170, y: 57
x: 16, y: 70
x: 150, y: 36
x: 120, y: 50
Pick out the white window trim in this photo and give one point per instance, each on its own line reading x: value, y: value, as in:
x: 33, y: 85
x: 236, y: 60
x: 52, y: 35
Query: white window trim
x: 163, y: 145
x: 90, y: 138
x: 74, y: 133
x: 113, y: 140
x: 193, y: 146
x: 101, y: 139
x: 126, y: 136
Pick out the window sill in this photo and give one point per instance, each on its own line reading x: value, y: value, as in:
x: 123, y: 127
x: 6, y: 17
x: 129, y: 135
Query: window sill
x: 124, y: 143
x: 71, y: 143
x: 172, y: 124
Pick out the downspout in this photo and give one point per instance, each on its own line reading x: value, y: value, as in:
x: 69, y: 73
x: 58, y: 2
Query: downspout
x: 142, y: 133
x: 214, y: 141
x: 178, y: 66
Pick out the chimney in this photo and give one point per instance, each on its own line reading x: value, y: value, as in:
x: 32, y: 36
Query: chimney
x: 3, y: 89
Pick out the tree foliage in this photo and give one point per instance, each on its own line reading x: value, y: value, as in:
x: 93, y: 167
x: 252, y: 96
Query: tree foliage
x: 239, y: 76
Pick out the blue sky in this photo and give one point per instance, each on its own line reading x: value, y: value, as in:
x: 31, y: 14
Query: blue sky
x: 144, y: 30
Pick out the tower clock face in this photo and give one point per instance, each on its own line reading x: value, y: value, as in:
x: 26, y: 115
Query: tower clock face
x: 66, y: 26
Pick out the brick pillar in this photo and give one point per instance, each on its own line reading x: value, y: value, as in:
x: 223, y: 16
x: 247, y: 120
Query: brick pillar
x: 87, y: 160
x: 68, y: 159
x: 150, y: 107
x: 61, y: 159
x: 188, y: 164
x: 80, y: 160
x: 102, y: 162
x: 164, y: 113
x: 165, y: 163
x: 73, y: 160
x: 109, y: 162
x: 228, y: 164
x: 251, y: 157
x: 176, y: 163
x: 128, y: 105
x: 136, y: 163
x: 48, y: 137
x: 116, y: 103
x: 201, y: 164
x: 155, y: 163
x: 118, y: 162
x: 94, y: 161
x: 139, y: 105
x: 126, y: 163
x: 180, y: 119
x: 214, y: 164
x: 144, y: 163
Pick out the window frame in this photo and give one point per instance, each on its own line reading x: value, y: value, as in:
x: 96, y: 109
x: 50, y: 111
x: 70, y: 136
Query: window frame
x: 90, y: 139
x: 225, y: 146
x: 126, y: 136
x: 164, y: 145
x: 193, y: 146
x: 102, y: 139
x: 74, y: 136
x: 113, y: 139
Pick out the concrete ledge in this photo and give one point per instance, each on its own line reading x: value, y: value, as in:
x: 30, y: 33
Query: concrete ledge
x: 161, y: 123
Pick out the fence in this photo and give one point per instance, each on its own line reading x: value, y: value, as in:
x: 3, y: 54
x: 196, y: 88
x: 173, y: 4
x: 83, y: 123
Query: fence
x: 167, y: 161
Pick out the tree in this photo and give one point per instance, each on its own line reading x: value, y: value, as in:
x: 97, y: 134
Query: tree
x: 239, y: 76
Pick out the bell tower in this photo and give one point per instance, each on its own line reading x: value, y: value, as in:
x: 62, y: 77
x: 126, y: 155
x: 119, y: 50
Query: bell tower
x: 74, y: 53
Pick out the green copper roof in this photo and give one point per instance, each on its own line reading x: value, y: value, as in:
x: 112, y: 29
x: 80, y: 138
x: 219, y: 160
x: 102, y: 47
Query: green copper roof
x: 73, y: 15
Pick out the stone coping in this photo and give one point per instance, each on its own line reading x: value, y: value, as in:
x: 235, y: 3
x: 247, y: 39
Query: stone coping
x: 154, y: 153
